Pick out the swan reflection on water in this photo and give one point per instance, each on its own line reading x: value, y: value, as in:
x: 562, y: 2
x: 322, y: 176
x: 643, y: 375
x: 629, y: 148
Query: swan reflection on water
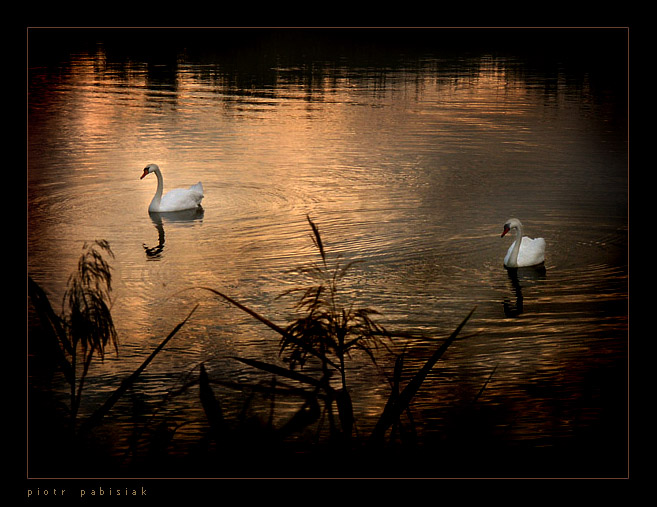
x: 518, y: 276
x: 159, y: 218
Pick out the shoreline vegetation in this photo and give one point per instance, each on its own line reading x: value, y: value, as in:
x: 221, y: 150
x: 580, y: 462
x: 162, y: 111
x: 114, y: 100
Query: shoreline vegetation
x: 318, y: 440
x: 325, y: 333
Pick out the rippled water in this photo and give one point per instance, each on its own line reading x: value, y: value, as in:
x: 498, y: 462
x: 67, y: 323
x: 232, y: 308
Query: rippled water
x: 409, y: 157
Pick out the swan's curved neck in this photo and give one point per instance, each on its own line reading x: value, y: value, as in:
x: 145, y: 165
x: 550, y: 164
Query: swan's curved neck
x: 513, y: 260
x: 155, y: 203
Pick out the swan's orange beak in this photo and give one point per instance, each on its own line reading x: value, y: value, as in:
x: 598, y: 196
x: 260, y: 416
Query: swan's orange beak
x: 506, y: 229
x: 145, y: 173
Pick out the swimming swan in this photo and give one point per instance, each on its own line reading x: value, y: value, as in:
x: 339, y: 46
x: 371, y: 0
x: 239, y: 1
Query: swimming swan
x: 175, y: 200
x: 524, y: 251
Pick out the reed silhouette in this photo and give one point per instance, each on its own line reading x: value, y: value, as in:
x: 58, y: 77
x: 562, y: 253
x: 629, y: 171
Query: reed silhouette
x: 85, y: 329
x: 326, y: 330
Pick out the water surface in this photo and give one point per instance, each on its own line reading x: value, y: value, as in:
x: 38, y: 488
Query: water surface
x: 409, y: 157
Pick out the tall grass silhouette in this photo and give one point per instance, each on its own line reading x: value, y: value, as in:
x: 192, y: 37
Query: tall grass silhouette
x: 327, y: 330
x: 328, y: 327
x: 85, y: 329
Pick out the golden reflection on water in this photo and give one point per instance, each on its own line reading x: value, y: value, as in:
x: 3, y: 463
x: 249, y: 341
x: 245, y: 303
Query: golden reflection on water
x: 411, y: 171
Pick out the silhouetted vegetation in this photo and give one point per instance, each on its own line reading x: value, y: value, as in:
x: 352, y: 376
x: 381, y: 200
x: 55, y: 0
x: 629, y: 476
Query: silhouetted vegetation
x: 326, y: 331
x: 85, y: 325
x: 83, y: 330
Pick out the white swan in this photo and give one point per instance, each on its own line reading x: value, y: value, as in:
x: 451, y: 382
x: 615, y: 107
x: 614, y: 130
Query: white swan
x: 175, y: 200
x: 524, y: 251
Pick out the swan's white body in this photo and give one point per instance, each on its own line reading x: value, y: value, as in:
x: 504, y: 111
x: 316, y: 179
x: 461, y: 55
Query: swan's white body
x: 524, y: 251
x: 175, y: 200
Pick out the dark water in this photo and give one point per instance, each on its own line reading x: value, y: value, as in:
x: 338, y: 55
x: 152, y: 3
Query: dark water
x: 409, y: 149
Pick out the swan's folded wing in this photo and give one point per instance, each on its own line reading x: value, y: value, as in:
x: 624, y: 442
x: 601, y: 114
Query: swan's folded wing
x: 532, y: 252
x: 180, y: 199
